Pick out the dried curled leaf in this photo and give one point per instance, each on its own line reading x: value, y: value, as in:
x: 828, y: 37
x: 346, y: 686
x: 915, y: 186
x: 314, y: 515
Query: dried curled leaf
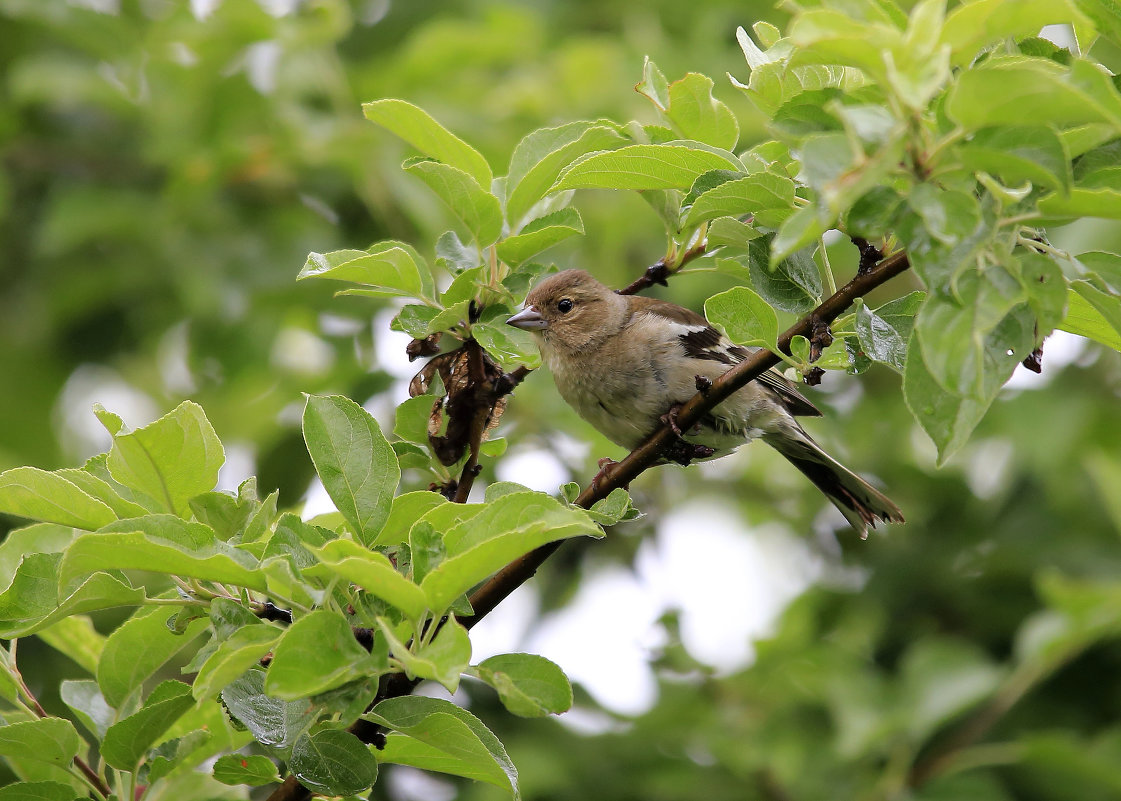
x: 468, y: 376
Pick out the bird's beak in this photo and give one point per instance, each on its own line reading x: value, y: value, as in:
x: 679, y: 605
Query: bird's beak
x: 528, y: 319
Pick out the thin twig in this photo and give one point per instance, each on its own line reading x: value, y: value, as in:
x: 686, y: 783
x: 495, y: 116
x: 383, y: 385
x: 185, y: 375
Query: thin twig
x: 659, y: 271
x: 89, y: 773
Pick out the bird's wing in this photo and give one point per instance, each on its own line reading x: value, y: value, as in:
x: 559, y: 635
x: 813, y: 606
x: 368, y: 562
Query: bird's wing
x: 701, y: 341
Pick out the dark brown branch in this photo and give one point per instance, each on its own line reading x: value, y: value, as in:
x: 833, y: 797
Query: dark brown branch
x: 659, y: 272
x: 504, y: 582
x: 645, y: 455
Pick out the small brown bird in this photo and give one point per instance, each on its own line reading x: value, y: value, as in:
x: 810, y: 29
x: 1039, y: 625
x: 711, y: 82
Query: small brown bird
x: 624, y: 361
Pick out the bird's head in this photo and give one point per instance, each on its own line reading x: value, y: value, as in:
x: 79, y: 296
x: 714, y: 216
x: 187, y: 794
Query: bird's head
x: 571, y: 310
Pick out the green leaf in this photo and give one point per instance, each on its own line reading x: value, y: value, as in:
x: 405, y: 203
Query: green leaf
x: 453, y: 255
x: 37, y: 538
x: 654, y: 85
x: 103, y: 491
x: 1046, y: 289
x: 942, y: 678
x: 234, y: 655
x: 387, y: 267
x: 1094, y: 314
x: 1019, y: 153
x: 406, y: 510
x: 136, y: 650
x: 645, y: 167
x: 728, y: 231
x: 873, y: 215
x: 800, y: 229
x: 1106, y: 268
x: 355, y: 462
x: 443, y: 737
x: 442, y: 660
x: 38, y: 791
x: 88, y: 705
x: 333, y: 762
x: 162, y: 544
x: 972, y: 26
x: 411, y: 420
x: 511, y: 347
x: 421, y: 131
x: 128, y: 741
x: 1105, y: 14
x: 747, y: 195
x: 510, y: 527
x: 542, y: 155
x: 1011, y: 90
x: 745, y: 317
x: 316, y: 654
x: 40, y: 595
x: 239, y: 769
x: 373, y: 572
x: 224, y: 513
x: 479, y: 210
x: 972, y: 342
x: 792, y: 285
x: 51, y: 740
x: 616, y: 507
x: 1104, y: 202
x: 700, y: 116
x: 273, y: 722
x: 540, y: 234
x: 883, y: 333
x: 170, y: 460
x: 529, y: 686
x: 946, y: 418
x: 39, y: 495
x: 426, y: 549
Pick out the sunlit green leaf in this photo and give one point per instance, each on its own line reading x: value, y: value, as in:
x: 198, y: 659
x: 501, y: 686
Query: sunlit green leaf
x: 420, y: 130
x: 354, y: 460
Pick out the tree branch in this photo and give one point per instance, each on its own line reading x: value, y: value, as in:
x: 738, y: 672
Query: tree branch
x: 489, y: 595
x: 504, y: 582
x: 659, y: 271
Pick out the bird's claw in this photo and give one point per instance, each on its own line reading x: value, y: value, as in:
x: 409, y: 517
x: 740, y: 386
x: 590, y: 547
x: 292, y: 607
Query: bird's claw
x: 670, y: 419
x: 606, y: 467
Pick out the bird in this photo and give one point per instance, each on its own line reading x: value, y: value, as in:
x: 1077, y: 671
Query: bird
x: 625, y: 363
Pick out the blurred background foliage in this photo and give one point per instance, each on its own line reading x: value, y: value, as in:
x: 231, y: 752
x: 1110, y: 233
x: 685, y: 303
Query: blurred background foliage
x: 167, y: 166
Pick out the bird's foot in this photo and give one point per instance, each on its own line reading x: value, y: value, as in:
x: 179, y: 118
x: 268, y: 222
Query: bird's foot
x: 670, y: 419
x: 606, y: 468
x: 684, y: 452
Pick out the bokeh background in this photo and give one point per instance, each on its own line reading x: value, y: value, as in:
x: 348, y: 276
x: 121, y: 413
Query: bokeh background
x: 165, y: 167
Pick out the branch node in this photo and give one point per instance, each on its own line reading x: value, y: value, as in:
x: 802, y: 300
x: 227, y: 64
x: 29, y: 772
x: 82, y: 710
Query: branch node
x: 820, y: 337
x: 703, y: 384
x: 870, y: 255
x: 270, y: 611
x: 682, y: 452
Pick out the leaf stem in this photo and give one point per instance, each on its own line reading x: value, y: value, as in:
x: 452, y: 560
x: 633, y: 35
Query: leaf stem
x: 827, y: 268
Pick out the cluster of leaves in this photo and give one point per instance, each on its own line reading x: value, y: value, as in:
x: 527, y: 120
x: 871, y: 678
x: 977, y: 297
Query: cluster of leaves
x: 932, y: 142
x: 371, y: 592
x: 954, y: 139
x: 936, y: 140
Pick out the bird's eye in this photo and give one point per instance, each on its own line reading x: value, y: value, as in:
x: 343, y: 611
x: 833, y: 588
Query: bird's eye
x: 564, y: 306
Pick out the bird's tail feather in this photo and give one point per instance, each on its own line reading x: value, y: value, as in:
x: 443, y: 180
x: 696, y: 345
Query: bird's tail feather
x: 861, y: 503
